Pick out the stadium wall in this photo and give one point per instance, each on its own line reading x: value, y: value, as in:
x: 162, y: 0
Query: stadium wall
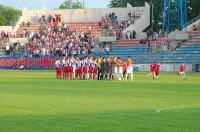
x: 142, y: 23
x: 21, y: 40
x: 7, y: 29
x: 80, y: 15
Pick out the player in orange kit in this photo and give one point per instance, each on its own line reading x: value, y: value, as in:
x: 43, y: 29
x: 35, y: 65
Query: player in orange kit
x: 129, y: 68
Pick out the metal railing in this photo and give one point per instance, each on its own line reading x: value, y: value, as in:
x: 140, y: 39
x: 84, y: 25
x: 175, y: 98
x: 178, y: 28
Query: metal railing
x: 16, y: 26
x: 191, y: 21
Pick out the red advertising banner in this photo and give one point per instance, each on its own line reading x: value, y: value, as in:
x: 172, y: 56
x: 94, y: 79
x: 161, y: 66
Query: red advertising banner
x: 7, y: 63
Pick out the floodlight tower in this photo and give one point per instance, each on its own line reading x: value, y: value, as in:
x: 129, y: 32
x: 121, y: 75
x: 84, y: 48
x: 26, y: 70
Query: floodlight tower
x: 174, y: 14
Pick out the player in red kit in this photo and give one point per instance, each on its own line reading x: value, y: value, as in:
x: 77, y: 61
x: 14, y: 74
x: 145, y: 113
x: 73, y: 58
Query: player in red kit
x: 91, y: 64
x: 84, y: 68
x: 152, y: 69
x: 182, y: 71
x: 58, y: 68
x: 157, y: 71
x: 69, y: 68
x: 64, y: 68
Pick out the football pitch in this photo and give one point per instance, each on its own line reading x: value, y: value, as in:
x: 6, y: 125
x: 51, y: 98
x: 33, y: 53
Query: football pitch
x: 34, y: 101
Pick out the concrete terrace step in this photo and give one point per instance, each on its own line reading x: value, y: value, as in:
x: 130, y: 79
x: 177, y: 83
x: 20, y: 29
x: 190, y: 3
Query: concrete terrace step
x: 133, y: 44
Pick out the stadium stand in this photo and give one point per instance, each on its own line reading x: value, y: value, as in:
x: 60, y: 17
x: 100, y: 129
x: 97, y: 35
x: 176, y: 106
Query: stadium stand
x: 80, y: 28
x: 141, y: 54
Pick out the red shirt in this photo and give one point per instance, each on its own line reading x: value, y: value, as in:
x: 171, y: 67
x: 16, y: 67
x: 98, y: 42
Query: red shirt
x: 125, y: 67
x: 154, y: 67
x: 57, y: 18
x: 151, y: 68
x: 157, y: 68
x: 182, y: 68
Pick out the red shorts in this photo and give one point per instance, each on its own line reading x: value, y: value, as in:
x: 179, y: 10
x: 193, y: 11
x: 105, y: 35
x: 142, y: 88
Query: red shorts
x: 58, y: 70
x: 70, y: 69
x: 64, y: 69
x: 84, y: 69
x: 77, y: 71
x: 90, y: 69
x: 95, y: 70
x: 157, y: 72
x: 80, y: 70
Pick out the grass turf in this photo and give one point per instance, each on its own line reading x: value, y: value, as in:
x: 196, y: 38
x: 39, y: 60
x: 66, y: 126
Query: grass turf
x: 33, y: 101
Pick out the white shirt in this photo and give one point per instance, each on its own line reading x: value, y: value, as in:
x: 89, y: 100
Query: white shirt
x: 7, y: 47
x: 43, y: 51
x: 63, y: 62
x: 57, y: 63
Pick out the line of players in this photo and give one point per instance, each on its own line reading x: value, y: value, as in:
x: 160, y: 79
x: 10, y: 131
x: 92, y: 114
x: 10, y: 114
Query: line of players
x: 109, y: 68
x: 92, y: 68
x: 103, y: 68
x: 78, y: 68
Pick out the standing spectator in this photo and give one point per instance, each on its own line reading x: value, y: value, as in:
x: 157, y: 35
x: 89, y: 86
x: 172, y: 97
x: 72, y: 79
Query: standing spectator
x: 134, y: 34
x: 7, y: 49
x: 128, y: 35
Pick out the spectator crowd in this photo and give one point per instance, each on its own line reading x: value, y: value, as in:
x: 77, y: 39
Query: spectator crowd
x: 116, y: 24
x: 54, y: 38
x: 60, y: 41
x: 196, y: 27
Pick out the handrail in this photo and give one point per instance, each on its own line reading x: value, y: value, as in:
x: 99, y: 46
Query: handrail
x: 192, y: 21
x: 21, y: 19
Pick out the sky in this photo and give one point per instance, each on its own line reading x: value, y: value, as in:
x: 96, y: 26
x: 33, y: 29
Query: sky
x: 50, y: 4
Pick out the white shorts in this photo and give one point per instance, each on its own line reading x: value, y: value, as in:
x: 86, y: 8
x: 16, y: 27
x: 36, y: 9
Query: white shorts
x: 116, y: 69
x: 120, y: 70
x: 74, y: 69
x: 130, y: 70
x: 182, y: 72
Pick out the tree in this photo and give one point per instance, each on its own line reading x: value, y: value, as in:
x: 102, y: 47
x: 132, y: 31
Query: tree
x: 2, y: 21
x: 71, y: 4
x: 9, y: 15
x: 193, y: 7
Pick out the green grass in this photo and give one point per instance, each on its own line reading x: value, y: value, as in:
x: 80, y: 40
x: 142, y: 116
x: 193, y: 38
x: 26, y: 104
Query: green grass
x: 33, y: 101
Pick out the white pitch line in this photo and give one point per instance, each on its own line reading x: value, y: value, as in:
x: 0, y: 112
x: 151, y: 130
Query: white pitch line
x: 174, y: 107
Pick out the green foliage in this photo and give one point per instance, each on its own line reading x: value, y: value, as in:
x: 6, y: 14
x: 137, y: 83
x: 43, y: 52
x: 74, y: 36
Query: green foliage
x: 11, y: 15
x: 158, y: 7
x: 71, y: 4
x: 2, y: 20
x: 194, y: 4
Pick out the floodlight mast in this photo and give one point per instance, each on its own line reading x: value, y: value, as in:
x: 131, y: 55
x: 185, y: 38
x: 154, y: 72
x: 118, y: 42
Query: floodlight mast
x: 174, y: 15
